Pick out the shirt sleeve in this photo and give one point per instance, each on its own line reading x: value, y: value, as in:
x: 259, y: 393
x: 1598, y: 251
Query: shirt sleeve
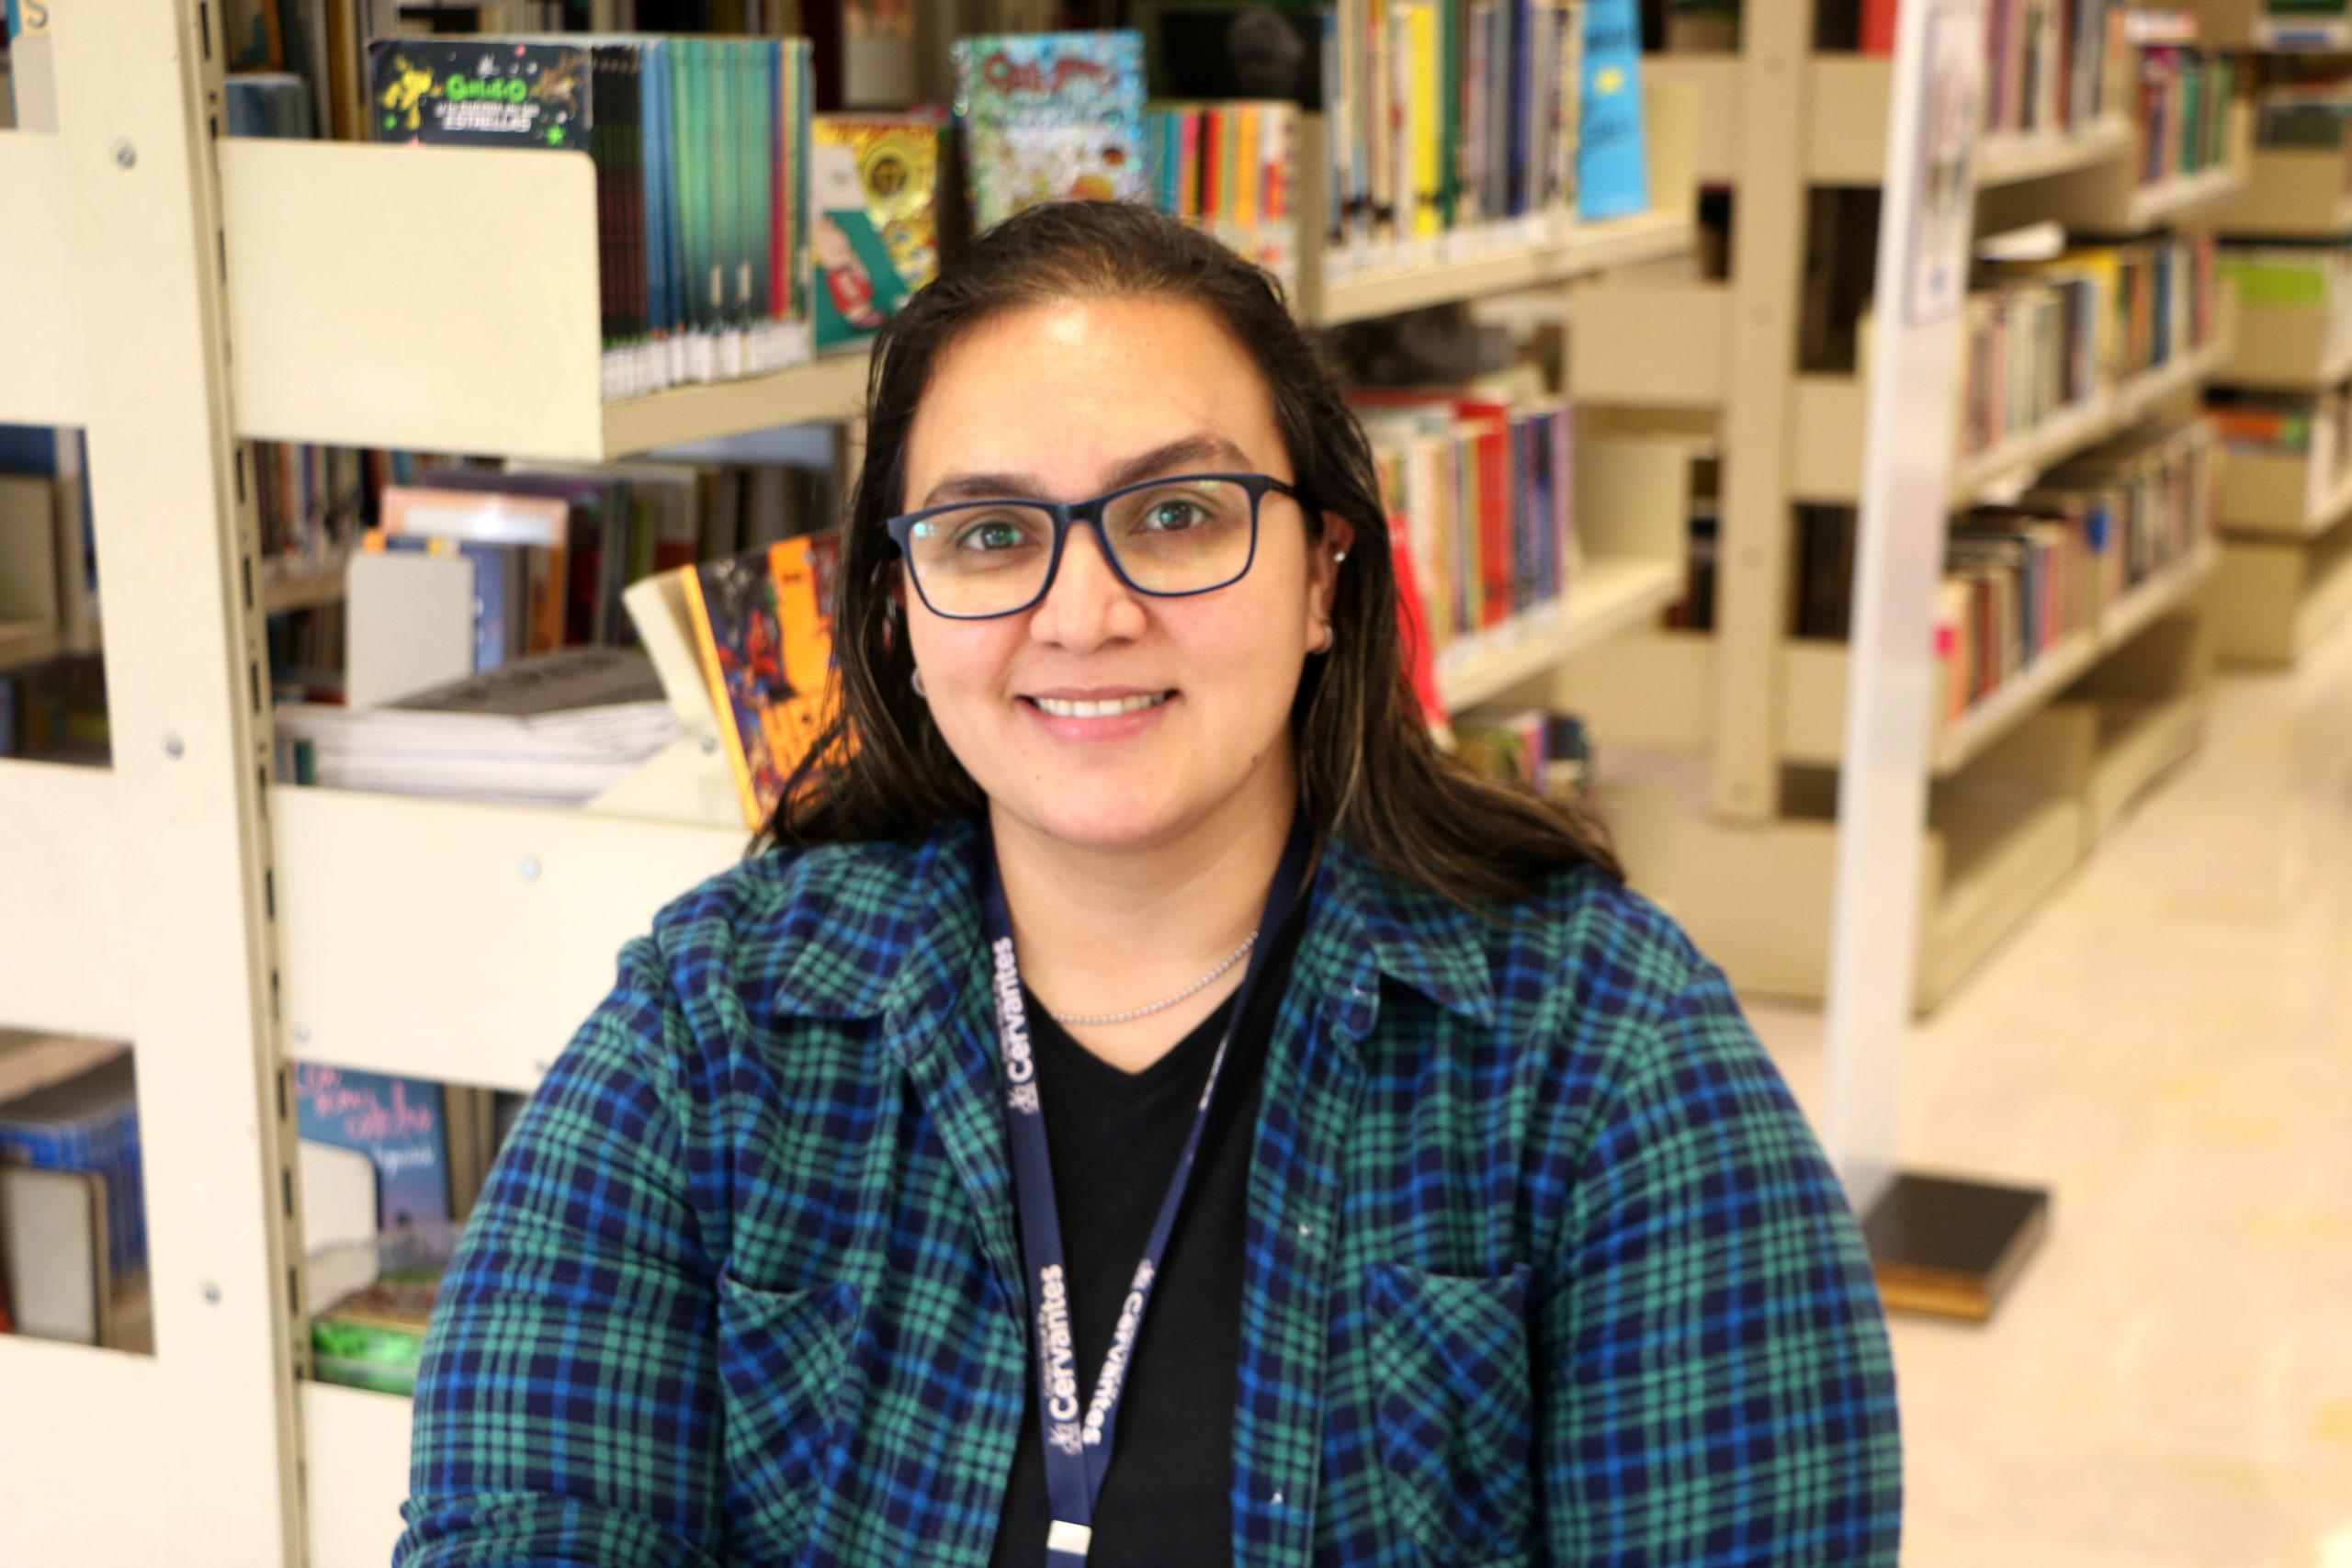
x: 1714, y: 1385
x: 566, y: 1405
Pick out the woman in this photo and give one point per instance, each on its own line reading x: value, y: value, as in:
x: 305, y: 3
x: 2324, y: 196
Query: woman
x: 927, y: 1190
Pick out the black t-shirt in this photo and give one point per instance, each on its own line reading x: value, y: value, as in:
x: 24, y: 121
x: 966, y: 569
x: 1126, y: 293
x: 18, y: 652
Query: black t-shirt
x: 1115, y: 1137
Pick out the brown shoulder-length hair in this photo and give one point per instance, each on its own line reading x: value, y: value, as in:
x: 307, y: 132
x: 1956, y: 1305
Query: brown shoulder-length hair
x: 1368, y: 769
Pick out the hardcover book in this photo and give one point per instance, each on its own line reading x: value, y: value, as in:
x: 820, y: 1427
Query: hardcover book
x: 765, y: 630
x: 395, y: 1121
x: 874, y: 190
x: 1050, y: 117
x: 1612, y: 154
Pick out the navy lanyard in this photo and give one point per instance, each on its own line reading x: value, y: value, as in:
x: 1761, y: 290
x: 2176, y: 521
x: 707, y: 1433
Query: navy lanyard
x: 1078, y: 1451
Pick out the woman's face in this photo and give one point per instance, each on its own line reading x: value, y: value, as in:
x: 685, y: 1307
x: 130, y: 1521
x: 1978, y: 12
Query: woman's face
x: 1063, y: 402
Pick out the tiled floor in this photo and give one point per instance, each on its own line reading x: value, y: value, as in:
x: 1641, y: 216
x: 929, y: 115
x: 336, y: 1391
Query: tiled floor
x: 2166, y: 1045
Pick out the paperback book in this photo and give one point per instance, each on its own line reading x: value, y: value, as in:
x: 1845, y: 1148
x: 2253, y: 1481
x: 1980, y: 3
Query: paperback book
x: 764, y: 630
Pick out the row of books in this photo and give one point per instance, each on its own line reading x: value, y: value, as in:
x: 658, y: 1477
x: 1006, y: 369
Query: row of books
x: 49, y: 574
x: 1549, y: 753
x: 1485, y: 488
x: 2017, y: 586
x: 2055, y: 334
x: 55, y: 711
x: 2052, y: 66
x: 2182, y: 112
x: 701, y: 151
x: 2030, y: 350
x: 310, y: 502
x: 1457, y: 122
x: 73, y: 1192
x: 2150, y: 496
x: 1229, y: 168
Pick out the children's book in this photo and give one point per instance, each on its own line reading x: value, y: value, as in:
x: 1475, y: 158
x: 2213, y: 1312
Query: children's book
x: 1050, y: 117
x: 479, y: 93
x: 396, y: 1121
x: 874, y: 185
x: 765, y: 630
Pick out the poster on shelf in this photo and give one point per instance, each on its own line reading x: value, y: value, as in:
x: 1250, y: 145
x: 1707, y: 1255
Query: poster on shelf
x: 1950, y: 91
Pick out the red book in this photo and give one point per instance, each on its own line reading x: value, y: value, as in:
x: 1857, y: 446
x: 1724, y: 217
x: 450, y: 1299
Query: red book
x: 1413, y: 623
x: 1878, y: 27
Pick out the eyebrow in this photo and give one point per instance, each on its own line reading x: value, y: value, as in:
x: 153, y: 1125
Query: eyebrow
x: 1190, y: 451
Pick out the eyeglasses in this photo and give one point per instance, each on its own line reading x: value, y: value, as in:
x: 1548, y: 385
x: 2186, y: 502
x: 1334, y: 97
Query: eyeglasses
x: 1167, y: 537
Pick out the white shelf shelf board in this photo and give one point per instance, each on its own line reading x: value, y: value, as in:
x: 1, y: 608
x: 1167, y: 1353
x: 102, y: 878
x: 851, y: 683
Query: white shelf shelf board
x: 40, y: 310
x: 1587, y: 248
x: 61, y: 963
x: 303, y: 593
x: 2000, y: 711
x: 2009, y: 468
x: 27, y: 642
x: 461, y: 942
x: 1605, y: 597
x: 2129, y: 616
x: 356, y: 1452
x: 2169, y: 200
x: 2011, y: 160
x: 480, y: 335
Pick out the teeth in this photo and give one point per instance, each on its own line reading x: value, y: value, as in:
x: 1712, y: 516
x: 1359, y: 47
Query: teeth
x: 1061, y: 708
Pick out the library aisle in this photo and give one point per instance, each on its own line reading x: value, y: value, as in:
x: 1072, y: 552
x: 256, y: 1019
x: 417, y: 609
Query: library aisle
x: 2167, y: 1044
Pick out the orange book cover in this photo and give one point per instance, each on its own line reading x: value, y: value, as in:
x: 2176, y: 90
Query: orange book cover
x: 763, y: 630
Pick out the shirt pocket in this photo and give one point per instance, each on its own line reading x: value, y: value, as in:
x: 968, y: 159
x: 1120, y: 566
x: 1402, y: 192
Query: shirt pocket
x: 782, y: 1358
x: 1456, y: 1418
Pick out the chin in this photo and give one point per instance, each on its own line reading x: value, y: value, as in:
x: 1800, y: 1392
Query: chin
x: 1104, y: 822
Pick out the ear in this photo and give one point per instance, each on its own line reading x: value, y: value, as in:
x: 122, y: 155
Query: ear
x: 1323, y: 566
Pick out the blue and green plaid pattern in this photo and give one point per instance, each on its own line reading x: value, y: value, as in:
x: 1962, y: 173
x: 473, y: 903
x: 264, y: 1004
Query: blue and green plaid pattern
x: 1543, y: 1264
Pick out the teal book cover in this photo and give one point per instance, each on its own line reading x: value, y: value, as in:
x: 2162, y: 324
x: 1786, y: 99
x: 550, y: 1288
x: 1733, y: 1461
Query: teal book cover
x: 1612, y: 150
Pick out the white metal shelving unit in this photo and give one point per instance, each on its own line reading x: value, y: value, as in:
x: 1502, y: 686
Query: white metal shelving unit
x: 175, y: 293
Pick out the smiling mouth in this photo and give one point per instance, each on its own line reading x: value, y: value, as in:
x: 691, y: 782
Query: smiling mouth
x: 1060, y: 707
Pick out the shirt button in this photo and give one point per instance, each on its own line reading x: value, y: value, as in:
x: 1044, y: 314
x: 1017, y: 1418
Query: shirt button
x: 1305, y: 1230
x: 1278, y: 1499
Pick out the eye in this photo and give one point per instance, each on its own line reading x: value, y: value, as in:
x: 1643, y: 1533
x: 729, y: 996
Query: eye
x: 1173, y: 514
x: 989, y: 535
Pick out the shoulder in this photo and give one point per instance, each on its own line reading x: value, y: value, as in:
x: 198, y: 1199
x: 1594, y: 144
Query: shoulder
x: 822, y: 930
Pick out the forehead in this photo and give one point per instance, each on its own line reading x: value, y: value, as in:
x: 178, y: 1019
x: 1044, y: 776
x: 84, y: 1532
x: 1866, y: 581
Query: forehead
x: 1068, y: 391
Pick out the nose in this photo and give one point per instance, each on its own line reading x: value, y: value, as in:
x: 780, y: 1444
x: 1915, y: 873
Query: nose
x: 1086, y: 606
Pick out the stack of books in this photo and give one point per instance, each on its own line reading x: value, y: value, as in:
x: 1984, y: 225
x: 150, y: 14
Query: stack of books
x: 72, y: 1194
x: 553, y: 730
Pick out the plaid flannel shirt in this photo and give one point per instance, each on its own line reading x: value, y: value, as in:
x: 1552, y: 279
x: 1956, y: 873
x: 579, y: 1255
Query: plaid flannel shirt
x: 1543, y: 1263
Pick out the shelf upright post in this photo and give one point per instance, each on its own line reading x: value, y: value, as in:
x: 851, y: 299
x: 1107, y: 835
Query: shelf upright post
x: 1768, y: 251
x: 215, y: 1445
x: 1937, y: 1244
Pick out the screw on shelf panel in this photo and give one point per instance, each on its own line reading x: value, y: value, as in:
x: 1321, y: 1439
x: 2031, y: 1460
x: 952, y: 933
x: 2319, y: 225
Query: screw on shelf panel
x: 301, y: 1034
x: 211, y: 1293
x: 174, y: 747
x: 125, y: 154
x: 710, y: 744
x: 530, y: 868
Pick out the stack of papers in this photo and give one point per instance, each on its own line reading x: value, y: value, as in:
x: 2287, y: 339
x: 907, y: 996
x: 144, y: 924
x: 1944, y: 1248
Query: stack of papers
x: 555, y: 729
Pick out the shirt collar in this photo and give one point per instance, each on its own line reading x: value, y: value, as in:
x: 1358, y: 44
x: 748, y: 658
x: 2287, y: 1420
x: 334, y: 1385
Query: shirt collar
x: 893, y: 929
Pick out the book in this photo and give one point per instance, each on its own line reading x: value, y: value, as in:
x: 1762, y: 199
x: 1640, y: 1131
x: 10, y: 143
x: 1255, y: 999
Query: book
x: 872, y: 194
x: 763, y: 632
x: 1612, y: 154
x: 480, y: 93
x: 374, y: 1337
x: 55, y: 1282
x: 395, y: 1121
x: 1049, y: 117
x: 89, y: 1124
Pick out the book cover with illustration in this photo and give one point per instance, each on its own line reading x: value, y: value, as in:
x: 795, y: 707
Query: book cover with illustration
x: 395, y: 1121
x: 874, y: 187
x: 764, y: 630
x: 1050, y: 117
x: 481, y: 93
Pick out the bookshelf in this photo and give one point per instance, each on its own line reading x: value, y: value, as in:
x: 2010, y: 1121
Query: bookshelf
x: 197, y: 292
x: 2024, y: 781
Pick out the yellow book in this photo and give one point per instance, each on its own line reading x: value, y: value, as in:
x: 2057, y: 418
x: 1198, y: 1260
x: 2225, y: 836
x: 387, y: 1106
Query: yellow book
x: 1247, y: 166
x: 1422, y: 132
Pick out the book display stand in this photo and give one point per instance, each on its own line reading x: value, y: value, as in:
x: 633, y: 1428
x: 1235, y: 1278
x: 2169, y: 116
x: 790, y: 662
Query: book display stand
x: 177, y: 294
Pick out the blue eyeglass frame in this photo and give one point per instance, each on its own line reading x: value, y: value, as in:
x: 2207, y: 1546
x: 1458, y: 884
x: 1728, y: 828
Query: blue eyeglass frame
x: 1067, y: 514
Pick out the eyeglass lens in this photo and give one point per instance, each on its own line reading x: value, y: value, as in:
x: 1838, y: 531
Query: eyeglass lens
x: 1182, y: 536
